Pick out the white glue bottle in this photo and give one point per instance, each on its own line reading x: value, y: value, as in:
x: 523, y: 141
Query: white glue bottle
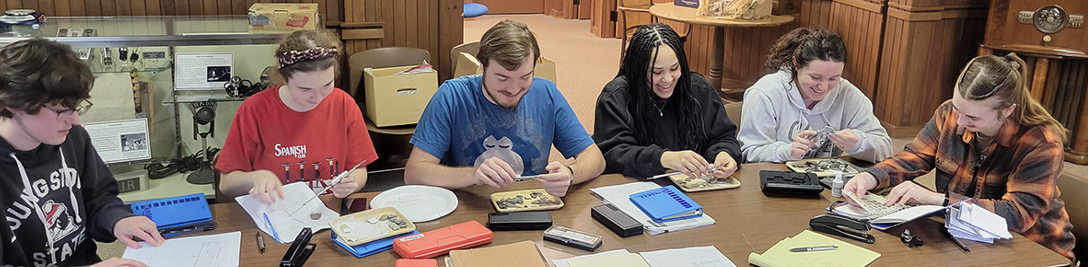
x: 837, y: 185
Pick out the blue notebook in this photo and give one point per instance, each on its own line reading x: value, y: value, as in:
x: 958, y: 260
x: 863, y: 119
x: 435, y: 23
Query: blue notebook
x: 666, y: 204
x: 174, y: 211
x: 369, y: 248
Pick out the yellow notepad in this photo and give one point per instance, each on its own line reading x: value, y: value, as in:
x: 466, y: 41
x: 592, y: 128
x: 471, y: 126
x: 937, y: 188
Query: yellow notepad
x: 846, y: 254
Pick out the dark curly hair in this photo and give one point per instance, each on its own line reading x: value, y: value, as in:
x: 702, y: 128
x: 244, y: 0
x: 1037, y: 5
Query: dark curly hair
x: 805, y: 45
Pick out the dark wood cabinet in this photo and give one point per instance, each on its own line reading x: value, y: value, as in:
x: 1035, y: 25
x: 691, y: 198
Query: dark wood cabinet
x: 1056, y: 58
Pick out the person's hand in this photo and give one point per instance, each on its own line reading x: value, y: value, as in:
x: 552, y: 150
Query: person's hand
x: 346, y: 186
x: 494, y: 172
x: 557, y: 180
x: 119, y: 262
x: 267, y: 187
x: 801, y: 144
x: 861, y: 183
x: 139, y: 227
x: 910, y: 192
x: 688, y: 162
x: 728, y: 166
x: 844, y: 139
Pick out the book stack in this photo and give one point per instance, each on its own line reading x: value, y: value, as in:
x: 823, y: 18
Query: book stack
x: 971, y: 222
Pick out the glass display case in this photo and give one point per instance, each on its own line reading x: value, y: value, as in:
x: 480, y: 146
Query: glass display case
x: 133, y: 59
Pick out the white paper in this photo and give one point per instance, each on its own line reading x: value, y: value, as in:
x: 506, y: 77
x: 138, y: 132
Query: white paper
x: 203, y: 71
x: 120, y: 141
x: 985, y: 221
x: 707, y: 256
x: 619, y: 196
x: 288, y: 226
x: 563, y: 262
x: 195, y: 251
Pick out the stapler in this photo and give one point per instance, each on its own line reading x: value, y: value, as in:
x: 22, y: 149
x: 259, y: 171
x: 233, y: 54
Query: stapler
x: 300, y: 249
x: 842, y: 226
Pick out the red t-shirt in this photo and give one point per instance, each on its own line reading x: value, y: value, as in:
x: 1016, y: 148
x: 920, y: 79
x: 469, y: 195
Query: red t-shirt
x: 266, y: 134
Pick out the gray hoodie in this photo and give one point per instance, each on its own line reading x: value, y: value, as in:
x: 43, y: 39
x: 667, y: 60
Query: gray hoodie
x: 774, y: 113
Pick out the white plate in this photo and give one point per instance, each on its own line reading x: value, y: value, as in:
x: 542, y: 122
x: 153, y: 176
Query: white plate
x: 418, y: 203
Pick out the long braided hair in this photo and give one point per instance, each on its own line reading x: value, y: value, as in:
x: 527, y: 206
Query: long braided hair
x: 637, y: 63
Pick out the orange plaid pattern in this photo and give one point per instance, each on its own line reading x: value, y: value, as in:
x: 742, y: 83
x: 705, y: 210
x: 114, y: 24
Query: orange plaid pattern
x: 1017, y: 180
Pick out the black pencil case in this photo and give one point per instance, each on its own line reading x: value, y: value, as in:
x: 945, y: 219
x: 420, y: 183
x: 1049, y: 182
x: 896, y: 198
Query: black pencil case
x: 617, y: 221
x: 786, y: 182
x: 515, y: 221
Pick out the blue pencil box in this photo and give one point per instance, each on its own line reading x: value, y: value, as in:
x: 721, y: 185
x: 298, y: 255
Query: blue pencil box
x: 372, y: 247
x: 174, y: 211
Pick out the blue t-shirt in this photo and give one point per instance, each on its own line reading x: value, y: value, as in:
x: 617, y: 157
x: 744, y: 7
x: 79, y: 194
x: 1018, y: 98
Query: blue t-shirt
x: 461, y: 127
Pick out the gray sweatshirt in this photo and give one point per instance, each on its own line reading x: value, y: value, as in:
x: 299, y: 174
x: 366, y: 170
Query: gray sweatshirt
x: 774, y: 112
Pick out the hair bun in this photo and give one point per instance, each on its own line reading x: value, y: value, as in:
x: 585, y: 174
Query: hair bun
x: 1014, y: 61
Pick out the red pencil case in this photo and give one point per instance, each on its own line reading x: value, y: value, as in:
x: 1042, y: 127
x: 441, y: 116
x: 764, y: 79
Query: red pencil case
x: 440, y: 241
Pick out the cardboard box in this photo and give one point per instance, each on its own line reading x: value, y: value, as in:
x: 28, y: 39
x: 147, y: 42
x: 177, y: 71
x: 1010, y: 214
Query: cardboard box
x: 282, y: 17
x: 467, y: 64
x: 397, y: 99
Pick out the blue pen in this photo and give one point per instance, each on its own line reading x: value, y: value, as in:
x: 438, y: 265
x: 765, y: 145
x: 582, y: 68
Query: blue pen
x: 271, y: 228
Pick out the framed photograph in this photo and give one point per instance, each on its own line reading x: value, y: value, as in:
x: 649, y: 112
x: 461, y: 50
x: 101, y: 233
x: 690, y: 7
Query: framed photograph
x: 202, y: 70
x: 120, y: 141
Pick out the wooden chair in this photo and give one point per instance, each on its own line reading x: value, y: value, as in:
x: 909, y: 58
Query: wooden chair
x: 470, y: 48
x: 381, y: 58
x: 734, y: 112
x: 220, y: 197
x: 1076, y: 204
x: 635, y: 13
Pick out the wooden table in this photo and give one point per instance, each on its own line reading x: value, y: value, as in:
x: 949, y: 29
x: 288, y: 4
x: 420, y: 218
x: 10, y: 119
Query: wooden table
x: 743, y: 215
x: 717, y: 52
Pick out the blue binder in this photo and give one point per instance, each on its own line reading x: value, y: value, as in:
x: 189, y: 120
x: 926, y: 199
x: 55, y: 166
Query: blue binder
x: 666, y: 204
x: 372, y: 247
x: 174, y: 211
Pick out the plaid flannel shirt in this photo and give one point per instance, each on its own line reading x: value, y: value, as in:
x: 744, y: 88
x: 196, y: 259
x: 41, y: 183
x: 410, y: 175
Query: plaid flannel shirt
x: 1017, y: 180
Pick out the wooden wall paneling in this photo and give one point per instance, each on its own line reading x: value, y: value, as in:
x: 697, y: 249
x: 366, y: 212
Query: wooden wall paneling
x: 31, y: 4
x: 152, y: 8
x: 196, y: 7
x: 585, y: 9
x: 77, y: 8
x: 921, y: 83
x: 451, y: 33
x: 400, y: 23
x: 124, y: 8
x: 411, y: 24
x: 224, y: 7
x: 61, y: 8
x: 210, y: 7
x: 601, y: 23
x: 1057, y: 68
x: 390, y: 24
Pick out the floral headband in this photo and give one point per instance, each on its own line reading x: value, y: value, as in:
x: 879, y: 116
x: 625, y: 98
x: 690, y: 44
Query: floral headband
x: 296, y: 56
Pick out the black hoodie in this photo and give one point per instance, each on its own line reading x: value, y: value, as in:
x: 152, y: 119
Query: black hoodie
x: 53, y: 198
x: 614, y: 134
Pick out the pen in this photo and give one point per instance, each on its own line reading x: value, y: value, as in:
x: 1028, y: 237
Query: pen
x: 956, y: 240
x: 260, y: 242
x: 520, y: 178
x: 806, y: 249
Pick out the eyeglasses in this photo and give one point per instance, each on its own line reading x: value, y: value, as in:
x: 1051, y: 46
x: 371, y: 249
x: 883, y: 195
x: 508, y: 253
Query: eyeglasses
x: 81, y: 109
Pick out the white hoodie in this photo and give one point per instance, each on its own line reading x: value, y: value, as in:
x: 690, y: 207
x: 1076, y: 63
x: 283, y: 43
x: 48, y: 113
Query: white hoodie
x: 774, y: 113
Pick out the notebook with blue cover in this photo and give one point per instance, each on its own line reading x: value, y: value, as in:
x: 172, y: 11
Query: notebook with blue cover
x: 372, y: 247
x: 174, y: 211
x: 666, y: 204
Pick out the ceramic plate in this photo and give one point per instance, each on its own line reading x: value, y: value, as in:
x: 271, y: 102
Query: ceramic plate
x: 418, y: 203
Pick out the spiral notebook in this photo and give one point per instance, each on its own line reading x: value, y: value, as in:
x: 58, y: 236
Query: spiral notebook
x: 881, y: 216
x: 174, y: 211
x: 666, y: 204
